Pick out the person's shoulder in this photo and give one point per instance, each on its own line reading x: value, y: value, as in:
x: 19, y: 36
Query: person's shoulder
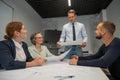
x: 117, y: 38
x: 43, y: 46
x: 7, y: 41
x: 66, y: 24
x: 116, y: 41
x: 24, y: 43
x: 78, y: 23
x: 31, y: 47
x: 2, y: 41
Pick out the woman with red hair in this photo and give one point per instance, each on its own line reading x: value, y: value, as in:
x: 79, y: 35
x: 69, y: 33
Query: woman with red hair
x: 14, y: 52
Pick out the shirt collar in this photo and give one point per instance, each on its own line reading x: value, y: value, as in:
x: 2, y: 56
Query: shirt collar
x: 18, y: 45
x: 71, y: 23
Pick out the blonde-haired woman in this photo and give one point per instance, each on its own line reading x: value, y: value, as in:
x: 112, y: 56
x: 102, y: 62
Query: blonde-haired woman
x: 37, y: 49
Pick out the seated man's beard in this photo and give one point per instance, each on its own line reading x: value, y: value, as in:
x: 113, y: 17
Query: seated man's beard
x: 98, y: 37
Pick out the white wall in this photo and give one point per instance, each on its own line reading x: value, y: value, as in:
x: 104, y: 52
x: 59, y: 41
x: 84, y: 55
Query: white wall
x: 23, y: 12
x: 113, y: 14
x: 5, y: 17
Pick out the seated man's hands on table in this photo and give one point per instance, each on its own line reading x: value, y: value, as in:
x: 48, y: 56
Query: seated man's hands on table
x: 73, y: 60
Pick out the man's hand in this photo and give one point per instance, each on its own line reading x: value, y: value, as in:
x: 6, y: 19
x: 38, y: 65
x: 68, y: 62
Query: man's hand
x: 73, y: 60
x: 59, y: 43
x: 83, y: 44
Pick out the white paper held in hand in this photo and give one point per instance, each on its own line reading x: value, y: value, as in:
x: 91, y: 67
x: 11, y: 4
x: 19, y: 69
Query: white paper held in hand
x: 57, y: 58
x: 67, y: 43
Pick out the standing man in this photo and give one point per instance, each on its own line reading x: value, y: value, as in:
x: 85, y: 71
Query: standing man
x: 73, y: 31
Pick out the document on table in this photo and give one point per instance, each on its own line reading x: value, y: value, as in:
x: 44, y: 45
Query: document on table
x: 54, y: 71
x: 57, y: 58
x: 71, y: 43
x: 18, y: 74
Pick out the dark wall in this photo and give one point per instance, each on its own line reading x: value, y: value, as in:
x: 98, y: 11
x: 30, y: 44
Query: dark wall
x: 52, y: 36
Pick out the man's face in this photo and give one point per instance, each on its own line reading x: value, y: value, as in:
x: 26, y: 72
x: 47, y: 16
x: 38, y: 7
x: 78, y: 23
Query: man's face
x: 71, y: 17
x: 99, y: 31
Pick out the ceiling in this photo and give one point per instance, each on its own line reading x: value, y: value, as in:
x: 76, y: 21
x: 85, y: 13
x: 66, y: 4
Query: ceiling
x: 59, y: 8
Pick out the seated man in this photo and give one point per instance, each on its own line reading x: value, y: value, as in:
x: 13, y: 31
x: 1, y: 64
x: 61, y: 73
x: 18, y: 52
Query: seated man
x: 108, y: 55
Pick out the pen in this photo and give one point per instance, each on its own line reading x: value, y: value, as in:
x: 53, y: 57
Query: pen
x: 66, y: 77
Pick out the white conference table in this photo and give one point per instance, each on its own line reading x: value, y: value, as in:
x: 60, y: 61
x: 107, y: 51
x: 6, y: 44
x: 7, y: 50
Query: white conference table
x: 54, y: 71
